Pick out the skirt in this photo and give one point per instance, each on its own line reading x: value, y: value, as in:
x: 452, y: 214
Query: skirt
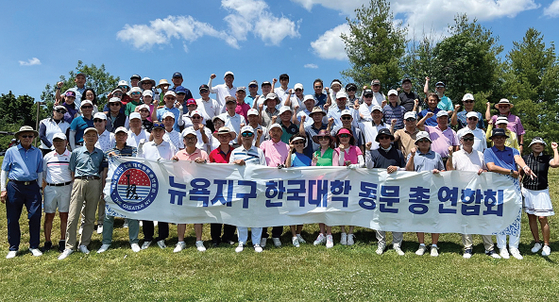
x: 537, y: 202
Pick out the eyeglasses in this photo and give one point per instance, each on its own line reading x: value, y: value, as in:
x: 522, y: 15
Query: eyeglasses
x: 114, y: 104
x: 87, y: 107
x: 472, y: 118
x: 190, y: 138
x: 135, y: 93
x: 344, y: 135
x: 298, y: 89
x: 468, y: 101
x: 27, y: 136
x: 384, y: 137
x: 247, y: 134
x: 97, y: 120
x: 468, y: 139
x: 346, y: 118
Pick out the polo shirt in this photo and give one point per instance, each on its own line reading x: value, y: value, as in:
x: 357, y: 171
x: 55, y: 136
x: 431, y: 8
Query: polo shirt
x: 540, y: 166
x: 275, y: 153
x: 221, y: 91
x: 183, y: 155
x: 252, y: 156
x: 432, y: 121
x: 336, y: 113
x: 56, y: 167
x: 242, y: 109
x: 218, y: 156
x: 85, y: 163
x: 426, y: 161
x: 131, y: 106
x: 134, y: 140
x: 464, y: 161
x: 445, y: 104
x: 515, y: 125
x: 175, y: 111
x: 370, y: 131
x: 480, y: 143
x: 79, y: 124
x: 210, y: 107
x: 463, y: 121
x: 105, y: 141
x: 396, y: 113
x: 441, y: 140
x: 357, y: 134
x: 380, y: 158
x: 267, y: 116
x: 281, y: 93
x: 71, y: 111
x: 407, y: 100
x: 365, y: 110
x: 406, y: 140
x: 48, y: 128
x: 153, y: 151
x: 501, y: 158
x: 174, y: 138
x: 300, y: 160
x: 288, y: 131
x: 320, y: 99
x: 23, y: 164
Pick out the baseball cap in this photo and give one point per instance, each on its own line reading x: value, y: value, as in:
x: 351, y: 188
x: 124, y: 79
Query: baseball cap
x: 422, y: 135
x: 86, y: 102
x: 345, y: 112
x: 90, y: 129
x: 242, y: 88
x: 134, y: 115
x: 468, y: 96
x: 190, y: 102
x: 410, y: 114
x: 392, y: 92
x: 170, y: 92
x: 252, y: 112
x: 70, y: 93
x: 177, y: 75
x: 537, y: 140
x: 442, y: 113
x: 229, y: 73
x: 188, y: 131
x: 167, y: 114
x: 247, y: 129
x: 341, y: 95
x: 283, y: 109
x: 471, y: 114
x: 121, y: 129
x: 59, y: 135
x: 135, y: 76
x: 298, y: 86
x: 376, y: 107
x: 100, y: 115
x: 147, y: 92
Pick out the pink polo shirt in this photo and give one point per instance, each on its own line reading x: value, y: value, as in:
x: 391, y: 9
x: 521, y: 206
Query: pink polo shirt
x: 275, y: 153
x: 183, y: 155
x: 441, y: 140
x: 351, y: 154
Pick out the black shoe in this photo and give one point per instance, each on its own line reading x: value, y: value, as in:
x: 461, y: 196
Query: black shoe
x: 47, y: 247
x: 61, y: 245
x: 215, y: 244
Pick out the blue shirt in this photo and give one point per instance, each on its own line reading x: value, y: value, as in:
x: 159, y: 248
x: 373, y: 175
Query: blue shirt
x: 22, y: 164
x: 79, y: 124
x: 503, y: 159
x: 432, y: 121
x: 427, y: 161
x: 445, y: 104
x: 300, y: 160
x: 175, y: 111
x: 463, y: 121
x: 320, y: 100
x: 84, y: 163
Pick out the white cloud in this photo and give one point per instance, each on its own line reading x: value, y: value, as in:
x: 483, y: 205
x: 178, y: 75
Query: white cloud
x: 310, y: 65
x: 347, y: 6
x: 552, y: 10
x: 30, y: 62
x: 330, y: 45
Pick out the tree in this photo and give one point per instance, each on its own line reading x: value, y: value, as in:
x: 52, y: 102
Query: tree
x: 97, y: 79
x: 14, y: 113
x: 418, y: 62
x: 531, y: 79
x: 467, y: 61
x: 374, y: 45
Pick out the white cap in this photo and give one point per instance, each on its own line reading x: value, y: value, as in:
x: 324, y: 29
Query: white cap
x: 188, y: 131
x: 298, y: 86
x: 135, y: 89
x: 422, y: 135
x: 468, y: 96
x: 242, y: 88
x: 170, y: 92
x: 252, y: 112
x: 194, y: 113
x: 376, y: 107
x: 392, y: 92
x: 90, y: 129
x: 341, y: 95
x: 134, y: 115
x: 247, y: 129
x: 410, y: 114
x: 166, y: 114
x: 442, y: 113
x: 228, y: 73
x: 121, y: 129
x: 346, y: 112
x: 59, y: 135
x: 143, y: 106
x: 100, y: 115
x: 123, y: 83
x: 274, y: 125
x: 283, y: 109
x: 308, y: 97
x: 86, y: 102
x: 147, y: 92
x: 471, y: 114
x: 466, y: 132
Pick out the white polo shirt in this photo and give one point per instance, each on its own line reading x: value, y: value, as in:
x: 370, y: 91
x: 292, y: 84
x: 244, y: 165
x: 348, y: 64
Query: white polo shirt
x: 56, y: 167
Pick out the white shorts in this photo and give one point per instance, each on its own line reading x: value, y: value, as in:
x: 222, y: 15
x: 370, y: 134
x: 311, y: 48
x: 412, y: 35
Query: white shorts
x: 537, y: 202
x: 57, y: 197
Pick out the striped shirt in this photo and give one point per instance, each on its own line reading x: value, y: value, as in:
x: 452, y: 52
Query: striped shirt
x: 396, y: 113
x: 252, y: 156
x: 56, y: 167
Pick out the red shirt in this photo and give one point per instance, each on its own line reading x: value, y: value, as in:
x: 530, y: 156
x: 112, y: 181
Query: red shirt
x: 217, y: 156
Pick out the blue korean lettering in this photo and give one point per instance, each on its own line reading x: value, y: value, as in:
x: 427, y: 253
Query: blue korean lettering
x: 419, y: 199
x: 199, y: 191
x: 318, y: 192
x: 471, y: 202
x: 247, y: 196
x: 176, y: 195
x: 274, y: 189
x: 369, y: 192
x: 446, y: 194
x: 219, y: 194
x: 493, y: 202
x: 297, y: 191
x: 389, y: 195
x: 338, y: 187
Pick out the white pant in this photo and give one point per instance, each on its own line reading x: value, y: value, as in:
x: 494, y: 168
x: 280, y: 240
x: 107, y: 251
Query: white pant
x: 256, y: 234
x: 513, y: 241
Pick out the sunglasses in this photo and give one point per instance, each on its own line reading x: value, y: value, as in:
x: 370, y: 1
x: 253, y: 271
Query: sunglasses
x: 204, y: 91
x: 468, y: 101
x: 136, y: 93
x: 323, y: 138
x: 346, y: 118
x: 123, y: 87
x: 190, y: 138
x: 368, y: 96
x: 87, y: 107
x: 196, y: 117
x: 298, y: 142
x: 411, y: 120
x: 61, y: 111
x: 384, y: 137
x: 114, y: 104
x: 352, y: 89
x: 472, y: 118
x: 247, y: 134
x: 253, y: 86
x: 27, y: 136
x: 468, y: 139
x: 97, y: 120
x: 344, y: 135
x: 317, y: 87
x: 298, y: 89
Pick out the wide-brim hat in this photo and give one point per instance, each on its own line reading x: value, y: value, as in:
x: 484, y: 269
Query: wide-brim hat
x: 147, y: 80
x: 537, y: 140
x: 26, y: 129
x: 163, y: 82
x: 504, y: 102
x: 384, y: 131
x: 321, y: 133
x: 317, y: 110
x: 225, y: 130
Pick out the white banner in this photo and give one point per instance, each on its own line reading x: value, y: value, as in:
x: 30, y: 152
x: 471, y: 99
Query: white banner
x: 257, y: 196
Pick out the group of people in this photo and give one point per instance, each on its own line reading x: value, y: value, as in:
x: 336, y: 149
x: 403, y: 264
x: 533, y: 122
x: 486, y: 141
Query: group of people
x: 280, y: 127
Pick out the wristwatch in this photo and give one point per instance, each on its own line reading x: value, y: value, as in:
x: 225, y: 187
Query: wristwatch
x: 511, y: 172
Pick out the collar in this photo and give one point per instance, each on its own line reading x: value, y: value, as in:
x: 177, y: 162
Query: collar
x: 428, y: 152
x: 387, y: 149
x: 19, y: 146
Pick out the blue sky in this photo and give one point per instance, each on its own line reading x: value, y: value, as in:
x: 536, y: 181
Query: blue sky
x: 255, y: 39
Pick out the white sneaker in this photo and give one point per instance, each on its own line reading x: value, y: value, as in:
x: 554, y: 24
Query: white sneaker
x: 65, y: 254
x: 492, y: 254
x: 546, y: 251
x: 421, y: 250
x: 36, y: 252
x: 277, y: 242
x: 467, y: 254
x: 504, y: 253
x: 350, y: 239
x: 343, y: 239
x: 83, y: 249
x: 161, y: 244
x: 11, y: 254
x: 434, y: 251
x: 295, y: 241
x: 399, y: 251
x: 99, y: 229
x: 301, y: 240
x: 257, y: 248
x: 200, y: 246
x: 380, y: 248
x: 146, y: 244
x: 263, y: 242
x: 135, y: 247
x: 239, y: 248
x: 103, y: 248
x: 125, y: 225
x: 320, y: 239
x: 329, y: 241
x: 537, y: 247
x: 180, y: 246
x: 515, y: 253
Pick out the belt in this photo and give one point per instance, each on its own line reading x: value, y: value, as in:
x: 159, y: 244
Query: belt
x: 87, y: 177
x: 25, y: 183
x: 60, y: 184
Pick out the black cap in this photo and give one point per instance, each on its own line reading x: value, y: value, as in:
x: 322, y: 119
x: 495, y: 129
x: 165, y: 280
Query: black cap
x: 498, y: 132
x: 406, y: 80
x: 136, y: 76
x: 204, y: 86
x: 177, y: 75
x: 384, y: 131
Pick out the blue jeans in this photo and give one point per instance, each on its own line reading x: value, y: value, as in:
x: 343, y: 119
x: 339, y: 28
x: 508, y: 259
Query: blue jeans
x: 18, y: 196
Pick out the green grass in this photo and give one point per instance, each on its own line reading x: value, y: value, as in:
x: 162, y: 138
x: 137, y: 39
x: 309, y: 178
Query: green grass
x: 307, y: 273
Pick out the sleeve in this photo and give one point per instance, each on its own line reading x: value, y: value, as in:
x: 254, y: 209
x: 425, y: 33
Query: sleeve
x: 72, y: 165
x: 488, y: 156
x: 456, y: 141
x: 6, y: 163
x: 43, y: 135
x: 519, y: 128
x: 3, y: 179
x: 188, y: 94
x: 369, y: 160
x: 262, y: 157
x: 335, y: 158
x: 440, y: 164
x: 39, y: 161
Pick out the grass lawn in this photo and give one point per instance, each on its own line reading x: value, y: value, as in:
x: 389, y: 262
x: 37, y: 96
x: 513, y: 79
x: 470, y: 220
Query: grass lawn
x: 307, y: 273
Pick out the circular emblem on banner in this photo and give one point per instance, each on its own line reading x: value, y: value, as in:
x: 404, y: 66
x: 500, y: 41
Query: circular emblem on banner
x: 134, y: 186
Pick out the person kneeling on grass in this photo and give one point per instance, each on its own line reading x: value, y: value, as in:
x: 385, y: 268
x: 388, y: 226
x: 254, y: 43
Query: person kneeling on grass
x: 422, y: 159
x: 120, y: 149
x: 190, y: 153
x: 247, y: 154
x: 537, y: 202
